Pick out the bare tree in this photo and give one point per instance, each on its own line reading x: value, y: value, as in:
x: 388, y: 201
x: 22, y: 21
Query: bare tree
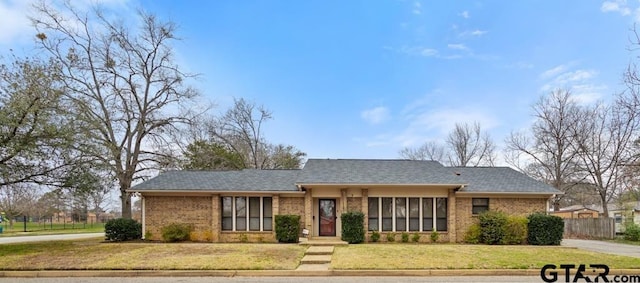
x: 603, y: 141
x: 124, y: 85
x: 546, y: 151
x: 470, y: 146
x: 430, y: 150
x: 17, y: 200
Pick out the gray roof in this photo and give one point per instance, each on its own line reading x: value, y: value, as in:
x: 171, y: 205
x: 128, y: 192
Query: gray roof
x: 371, y: 171
x: 245, y: 180
x: 500, y: 180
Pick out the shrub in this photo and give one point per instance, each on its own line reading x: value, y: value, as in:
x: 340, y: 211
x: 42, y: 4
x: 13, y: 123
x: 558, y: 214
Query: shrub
x: 391, y: 237
x: 375, y: 236
x: 434, y: 236
x: 243, y: 238
x: 544, y: 229
x: 515, y: 230
x: 122, y: 229
x: 632, y: 232
x: 176, y: 232
x: 405, y: 237
x: 415, y: 238
x: 353, y: 227
x: 492, y: 227
x: 287, y: 228
x: 472, y: 236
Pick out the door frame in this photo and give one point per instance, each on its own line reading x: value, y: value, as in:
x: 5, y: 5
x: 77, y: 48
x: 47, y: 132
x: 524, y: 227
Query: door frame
x: 335, y: 217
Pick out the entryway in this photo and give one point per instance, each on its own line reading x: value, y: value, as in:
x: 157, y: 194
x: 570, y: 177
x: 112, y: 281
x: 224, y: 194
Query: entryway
x: 327, y: 217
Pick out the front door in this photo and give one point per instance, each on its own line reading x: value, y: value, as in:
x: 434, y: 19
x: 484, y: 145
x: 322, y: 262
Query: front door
x: 327, y: 217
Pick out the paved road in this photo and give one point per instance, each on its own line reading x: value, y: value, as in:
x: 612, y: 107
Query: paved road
x: 23, y: 239
x: 330, y: 279
x: 603, y: 247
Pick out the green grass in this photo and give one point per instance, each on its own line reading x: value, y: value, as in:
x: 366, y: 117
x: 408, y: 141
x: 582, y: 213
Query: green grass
x: 621, y: 240
x: 412, y: 256
x: 48, y: 229
x: 96, y: 255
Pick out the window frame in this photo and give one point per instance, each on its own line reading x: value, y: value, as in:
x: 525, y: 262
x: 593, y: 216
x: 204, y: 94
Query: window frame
x: 422, y: 203
x: 475, y: 207
x: 245, y: 214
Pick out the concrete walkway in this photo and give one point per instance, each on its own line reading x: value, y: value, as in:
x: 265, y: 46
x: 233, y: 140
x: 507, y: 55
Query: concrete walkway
x: 24, y: 239
x: 603, y: 247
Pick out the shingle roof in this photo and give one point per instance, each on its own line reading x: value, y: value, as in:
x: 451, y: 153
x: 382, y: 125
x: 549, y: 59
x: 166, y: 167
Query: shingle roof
x: 500, y: 180
x: 245, y: 180
x: 371, y: 171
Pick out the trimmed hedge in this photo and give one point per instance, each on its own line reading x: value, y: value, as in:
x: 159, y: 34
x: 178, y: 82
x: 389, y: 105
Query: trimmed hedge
x: 176, y: 232
x: 515, y: 230
x: 632, y: 232
x: 353, y: 227
x: 287, y: 228
x: 545, y: 229
x: 122, y: 229
x: 472, y: 236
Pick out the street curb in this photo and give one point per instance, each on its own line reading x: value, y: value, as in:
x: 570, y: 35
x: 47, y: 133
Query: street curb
x: 287, y: 273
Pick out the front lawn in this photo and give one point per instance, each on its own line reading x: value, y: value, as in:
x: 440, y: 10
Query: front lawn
x: 93, y: 254
x: 453, y: 256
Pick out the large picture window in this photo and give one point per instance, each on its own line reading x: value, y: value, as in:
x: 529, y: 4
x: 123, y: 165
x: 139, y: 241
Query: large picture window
x: 407, y: 214
x: 246, y: 213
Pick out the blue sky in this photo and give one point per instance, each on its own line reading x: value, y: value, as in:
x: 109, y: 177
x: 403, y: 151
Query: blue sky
x: 363, y: 79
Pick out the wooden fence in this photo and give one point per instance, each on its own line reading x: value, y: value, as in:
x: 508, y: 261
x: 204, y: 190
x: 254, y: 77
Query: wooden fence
x: 590, y: 228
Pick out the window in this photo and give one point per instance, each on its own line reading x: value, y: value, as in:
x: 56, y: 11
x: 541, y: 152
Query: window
x: 401, y: 214
x: 441, y: 214
x: 373, y: 214
x: 414, y: 214
x: 387, y: 214
x: 404, y: 214
x: 479, y: 205
x: 427, y: 214
x: 246, y: 213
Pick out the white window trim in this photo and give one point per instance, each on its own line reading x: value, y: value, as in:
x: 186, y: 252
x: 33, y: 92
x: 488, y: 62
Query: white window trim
x: 247, y: 213
x: 393, y: 211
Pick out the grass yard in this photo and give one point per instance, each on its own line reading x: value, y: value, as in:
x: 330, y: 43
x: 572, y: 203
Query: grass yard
x: 49, y: 229
x: 412, y: 256
x: 93, y: 254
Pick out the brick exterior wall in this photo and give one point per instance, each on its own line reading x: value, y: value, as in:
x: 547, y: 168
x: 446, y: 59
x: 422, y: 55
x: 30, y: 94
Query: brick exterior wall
x: 194, y: 210
x: 354, y: 204
x: 294, y: 206
x: 512, y: 206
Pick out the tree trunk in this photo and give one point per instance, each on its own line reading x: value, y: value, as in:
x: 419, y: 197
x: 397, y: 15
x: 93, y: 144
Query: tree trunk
x: 125, y: 199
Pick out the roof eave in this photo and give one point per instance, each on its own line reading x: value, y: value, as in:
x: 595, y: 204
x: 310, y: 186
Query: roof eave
x: 379, y: 185
x: 213, y: 191
x: 462, y: 193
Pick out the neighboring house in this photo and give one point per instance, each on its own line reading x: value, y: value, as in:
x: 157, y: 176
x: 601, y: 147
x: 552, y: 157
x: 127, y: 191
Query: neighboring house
x: 579, y: 211
x: 395, y: 195
x: 629, y: 211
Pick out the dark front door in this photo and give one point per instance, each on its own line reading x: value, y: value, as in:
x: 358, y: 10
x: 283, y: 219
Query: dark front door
x: 327, y: 217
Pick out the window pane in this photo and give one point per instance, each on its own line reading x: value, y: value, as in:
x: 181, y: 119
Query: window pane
x: 241, y: 213
x: 373, y: 214
x: 401, y: 214
x: 227, y: 220
x: 266, y: 213
x: 254, y: 214
x: 427, y: 207
x: 479, y: 209
x: 414, y: 214
x: 480, y: 201
x: 441, y: 214
x: 387, y: 214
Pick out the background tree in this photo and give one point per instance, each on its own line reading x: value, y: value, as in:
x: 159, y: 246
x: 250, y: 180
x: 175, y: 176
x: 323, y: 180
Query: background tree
x: 466, y: 145
x: 33, y: 123
x: 470, y: 146
x: 124, y: 85
x: 430, y: 150
x: 545, y: 153
x: 16, y: 200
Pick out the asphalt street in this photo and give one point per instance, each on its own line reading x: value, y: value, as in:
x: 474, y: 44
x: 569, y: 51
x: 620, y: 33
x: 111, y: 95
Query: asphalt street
x: 23, y: 239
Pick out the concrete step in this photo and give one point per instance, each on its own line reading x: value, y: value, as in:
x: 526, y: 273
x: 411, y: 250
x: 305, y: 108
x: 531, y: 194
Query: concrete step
x: 313, y: 267
x: 319, y: 250
x: 316, y: 259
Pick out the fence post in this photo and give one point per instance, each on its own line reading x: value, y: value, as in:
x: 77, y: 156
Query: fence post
x: 24, y: 218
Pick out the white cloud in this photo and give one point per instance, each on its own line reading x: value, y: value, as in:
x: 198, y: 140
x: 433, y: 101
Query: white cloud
x: 553, y: 71
x: 429, y: 52
x: 465, y: 14
x: 619, y: 6
x: 14, y: 22
x: 458, y: 46
x: 417, y: 8
x: 375, y: 115
x: 581, y: 82
x: 475, y: 32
